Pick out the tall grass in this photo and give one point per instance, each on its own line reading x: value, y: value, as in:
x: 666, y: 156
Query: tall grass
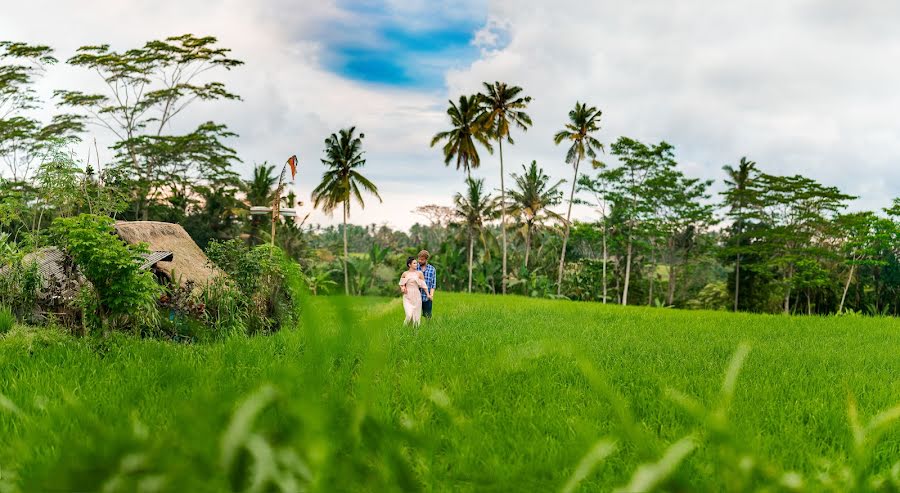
x: 7, y: 320
x: 495, y: 394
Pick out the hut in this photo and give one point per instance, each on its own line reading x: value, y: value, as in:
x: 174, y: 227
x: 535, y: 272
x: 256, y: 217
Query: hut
x: 184, y: 262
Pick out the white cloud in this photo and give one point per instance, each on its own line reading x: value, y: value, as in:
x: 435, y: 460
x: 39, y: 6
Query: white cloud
x: 800, y: 87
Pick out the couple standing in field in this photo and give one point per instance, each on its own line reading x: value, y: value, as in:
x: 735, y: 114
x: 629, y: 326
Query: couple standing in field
x: 417, y: 284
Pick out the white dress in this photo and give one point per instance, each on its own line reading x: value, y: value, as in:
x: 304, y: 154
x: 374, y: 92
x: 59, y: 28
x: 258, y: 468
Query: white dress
x: 412, y: 299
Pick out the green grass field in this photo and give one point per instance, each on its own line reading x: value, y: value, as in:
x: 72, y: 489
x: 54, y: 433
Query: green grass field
x: 495, y: 394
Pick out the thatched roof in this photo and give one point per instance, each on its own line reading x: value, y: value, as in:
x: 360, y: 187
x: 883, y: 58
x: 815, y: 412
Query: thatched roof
x: 188, y: 262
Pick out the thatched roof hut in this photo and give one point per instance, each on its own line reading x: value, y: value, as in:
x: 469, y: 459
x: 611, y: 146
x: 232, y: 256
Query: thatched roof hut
x: 187, y: 263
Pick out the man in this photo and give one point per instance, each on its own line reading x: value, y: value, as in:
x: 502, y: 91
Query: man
x: 430, y: 280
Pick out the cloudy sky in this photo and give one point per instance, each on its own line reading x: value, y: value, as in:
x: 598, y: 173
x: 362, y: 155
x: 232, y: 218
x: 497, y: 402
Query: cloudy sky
x: 802, y: 86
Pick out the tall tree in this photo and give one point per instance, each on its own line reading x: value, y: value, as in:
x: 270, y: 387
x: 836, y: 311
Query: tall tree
x: 504, y: 106
x: 473, y: 209
x: 638, y: 164
x: 739, y: 198
x: 861, y: 235
x: 584, y: 120
x: 798, y: 212
x: 467, y: 122
x: 147, y: 88
x: 342, y: 181
x: 23, y: 138
x: 531, y: 198
x: 599, y: 188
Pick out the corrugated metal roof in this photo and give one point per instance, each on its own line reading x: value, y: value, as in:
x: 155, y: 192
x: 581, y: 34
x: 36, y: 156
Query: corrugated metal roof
x: 152, y: 258
x: 50, y: 261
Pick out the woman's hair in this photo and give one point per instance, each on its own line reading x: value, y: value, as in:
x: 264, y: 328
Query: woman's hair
x: 410, y: 260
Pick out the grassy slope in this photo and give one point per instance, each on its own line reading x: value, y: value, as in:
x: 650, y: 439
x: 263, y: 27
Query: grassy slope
x: 487, y: 396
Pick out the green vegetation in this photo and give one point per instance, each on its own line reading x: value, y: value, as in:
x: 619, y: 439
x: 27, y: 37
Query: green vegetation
x: 494, y: 394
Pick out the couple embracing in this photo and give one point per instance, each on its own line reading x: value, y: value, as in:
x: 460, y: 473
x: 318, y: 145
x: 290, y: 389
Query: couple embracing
x: 417, y: 284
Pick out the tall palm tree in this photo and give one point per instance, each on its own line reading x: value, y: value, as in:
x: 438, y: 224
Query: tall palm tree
x: 503, y: 105
x: 584, y: 120
x: 342, y: 181
x: 531, y: 198
x: 468, y: 129
x: 473, y: 209
x: 738, y: 198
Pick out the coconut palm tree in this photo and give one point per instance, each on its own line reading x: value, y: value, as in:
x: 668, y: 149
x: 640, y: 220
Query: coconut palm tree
x: 531, y: 199
x: 503, y: 106
x: 584, y: 120
x: 737, y: 197
x: 343, y: 181
x: 468, y: 129
x: 474, y: 209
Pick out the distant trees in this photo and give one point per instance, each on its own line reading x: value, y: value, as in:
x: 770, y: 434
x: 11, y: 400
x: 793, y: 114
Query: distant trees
x: 786, y: 243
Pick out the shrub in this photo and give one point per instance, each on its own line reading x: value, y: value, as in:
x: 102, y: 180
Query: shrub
x: 125, y: 295
x: 7, y: 320
x: 262, y: 291
x: 20, y: 284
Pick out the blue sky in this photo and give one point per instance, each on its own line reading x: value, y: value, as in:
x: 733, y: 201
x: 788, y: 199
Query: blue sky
x: 413, y: 46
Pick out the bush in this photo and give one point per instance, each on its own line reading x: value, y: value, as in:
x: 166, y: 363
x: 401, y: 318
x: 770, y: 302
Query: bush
x: 20, y: 284
x: 126, y: 296
x: 262, y: 290
x: 7, y: 320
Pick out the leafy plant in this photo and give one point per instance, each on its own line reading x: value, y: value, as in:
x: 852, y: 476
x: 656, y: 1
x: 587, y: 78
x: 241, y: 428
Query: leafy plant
x: 126, y: 295
x: 7, y: 320
x: 261, y: 293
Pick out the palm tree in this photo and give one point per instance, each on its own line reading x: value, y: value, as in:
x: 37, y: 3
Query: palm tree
x: 504, y: 106
x: 260, y: 192
x: 261, y: 186
x: 473, y: 209
x: 467, y: 129
x: 342, y: 181
x: 583, y: 121
x: 738, y: 199
x: 531, y: 199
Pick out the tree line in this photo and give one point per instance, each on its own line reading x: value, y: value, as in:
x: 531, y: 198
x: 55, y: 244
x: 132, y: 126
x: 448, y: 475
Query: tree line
x: 768, y: 243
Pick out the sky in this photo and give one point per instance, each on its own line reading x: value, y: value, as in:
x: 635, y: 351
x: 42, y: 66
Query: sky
x: 802, y: 86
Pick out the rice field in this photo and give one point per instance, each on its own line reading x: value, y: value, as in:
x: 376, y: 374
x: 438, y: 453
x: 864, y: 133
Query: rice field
x: 494, y: 394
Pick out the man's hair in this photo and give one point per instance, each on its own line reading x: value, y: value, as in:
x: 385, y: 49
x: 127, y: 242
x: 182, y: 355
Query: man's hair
x: 424, y: 253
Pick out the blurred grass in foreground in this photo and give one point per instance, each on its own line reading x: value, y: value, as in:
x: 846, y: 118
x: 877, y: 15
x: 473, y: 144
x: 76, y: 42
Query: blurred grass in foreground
x: 495, y: 394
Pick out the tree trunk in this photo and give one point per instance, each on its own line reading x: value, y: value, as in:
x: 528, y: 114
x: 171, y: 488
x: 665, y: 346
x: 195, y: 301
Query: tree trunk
x: 846, y: 288
x: 737, y: 281
x: 471, y: 248
x: 346, y: 254
x: 627, y: 270
x: 787, y: 294
x: 653, y: 267
x: 670, y: 297
x: 808, y: 304
x: 527, y: 255
x: 562, y: 254
x: 502, y: 215
x: 604, y: 263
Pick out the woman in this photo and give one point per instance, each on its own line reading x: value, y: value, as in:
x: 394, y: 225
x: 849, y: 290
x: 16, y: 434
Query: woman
x: 410, y: 282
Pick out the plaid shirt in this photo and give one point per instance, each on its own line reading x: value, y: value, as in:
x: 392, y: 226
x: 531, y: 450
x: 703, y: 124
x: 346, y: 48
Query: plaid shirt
x: 430, y: 280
